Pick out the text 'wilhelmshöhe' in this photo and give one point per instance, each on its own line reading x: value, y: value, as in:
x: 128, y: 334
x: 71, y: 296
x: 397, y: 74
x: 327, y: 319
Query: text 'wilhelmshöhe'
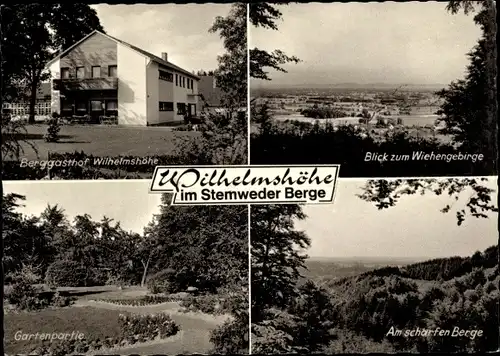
x: 208, y: 185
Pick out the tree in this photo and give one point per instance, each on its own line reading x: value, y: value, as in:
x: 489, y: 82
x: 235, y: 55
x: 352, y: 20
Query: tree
x: 224, y: 135
x: 192, y: 240
x: 385, y: 194
x: 470, y: 108
x: 276, y: 256
x: 231, y: 74
x: 31, y: 35
x: 265, y: 15
x: 12, y: 234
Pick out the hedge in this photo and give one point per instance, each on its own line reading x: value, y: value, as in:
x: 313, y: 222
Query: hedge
x: 11, y: 170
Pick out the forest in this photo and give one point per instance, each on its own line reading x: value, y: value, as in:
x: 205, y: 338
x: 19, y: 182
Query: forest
x: 446, y: 293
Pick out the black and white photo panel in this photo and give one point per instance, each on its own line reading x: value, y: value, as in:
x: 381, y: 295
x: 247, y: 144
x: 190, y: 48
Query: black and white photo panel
x: 103, y: 267
x: 109, y: 91
x: 394, y: 266
x: 386, y: 88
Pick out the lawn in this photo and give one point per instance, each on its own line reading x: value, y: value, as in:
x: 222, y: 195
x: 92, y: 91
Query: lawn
x: 103, y: 140
x: 93, y: 323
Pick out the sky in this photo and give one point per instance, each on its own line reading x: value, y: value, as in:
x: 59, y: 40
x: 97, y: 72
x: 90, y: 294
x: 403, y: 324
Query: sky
x: 179, y: 30
x: 414, y: 228
x: 128, y: 201
x: 365, y: 43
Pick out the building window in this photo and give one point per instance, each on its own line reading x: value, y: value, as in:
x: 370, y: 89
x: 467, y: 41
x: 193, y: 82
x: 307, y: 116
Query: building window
x: 189, y: 83
x: 96, y: 105
x: 183, y: 82
x: 166, y: 106
x: 112, y: 71
x: 80, y: 72
x: 67, y: 106
x: 81, y: 106
x: 181, y: 108
x: 111, y: 105
x: 176, y: 80
x: 64, y: 73
x: 96, y: 72
x: 166, y: 76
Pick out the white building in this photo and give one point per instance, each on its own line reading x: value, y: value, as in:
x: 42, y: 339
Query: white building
x: 102, y: 76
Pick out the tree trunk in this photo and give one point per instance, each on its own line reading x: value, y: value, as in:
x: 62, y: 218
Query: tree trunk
x: 33, y: 92
x: 145, y: 273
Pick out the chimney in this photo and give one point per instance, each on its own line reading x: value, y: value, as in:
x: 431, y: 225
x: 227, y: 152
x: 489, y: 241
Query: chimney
x: 164, y: 56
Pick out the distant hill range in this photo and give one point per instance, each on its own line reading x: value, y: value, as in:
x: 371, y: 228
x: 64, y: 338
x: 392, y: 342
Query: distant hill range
x: 351, y: 86
x: 415, y: 268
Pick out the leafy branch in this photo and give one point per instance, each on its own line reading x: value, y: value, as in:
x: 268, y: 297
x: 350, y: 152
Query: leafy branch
x: 385, y: 194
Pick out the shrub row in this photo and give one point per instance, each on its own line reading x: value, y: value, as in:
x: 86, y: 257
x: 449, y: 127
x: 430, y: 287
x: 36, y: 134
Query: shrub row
x: 133, y: 329
x: 11, y: 170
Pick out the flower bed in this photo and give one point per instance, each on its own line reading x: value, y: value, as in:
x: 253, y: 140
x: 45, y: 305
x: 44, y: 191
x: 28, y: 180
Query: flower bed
x: 141, y: 328
x: 146, y: 300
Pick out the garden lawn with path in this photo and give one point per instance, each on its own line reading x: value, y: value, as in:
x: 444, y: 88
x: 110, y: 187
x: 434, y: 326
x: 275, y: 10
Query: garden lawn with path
x: 193, y: 337
x: 99, y: 319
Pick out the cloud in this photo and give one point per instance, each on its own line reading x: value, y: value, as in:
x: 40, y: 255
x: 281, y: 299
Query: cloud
x: 179, y: 30
x: 417, y: 42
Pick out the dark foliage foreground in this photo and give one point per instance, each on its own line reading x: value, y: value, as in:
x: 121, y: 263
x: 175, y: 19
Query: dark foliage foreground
x: 305, y: 143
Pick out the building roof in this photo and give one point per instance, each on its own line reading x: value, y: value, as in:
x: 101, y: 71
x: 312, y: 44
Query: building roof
x: 137, y: 49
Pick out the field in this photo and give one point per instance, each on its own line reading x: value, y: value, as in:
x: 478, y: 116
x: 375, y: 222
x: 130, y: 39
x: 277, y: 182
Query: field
x: 103, y: 140
x: 98, y: 319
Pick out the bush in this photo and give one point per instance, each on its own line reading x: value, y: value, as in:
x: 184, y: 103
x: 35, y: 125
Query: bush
x: 186, y: 127
x: 66, y: 274
x: 165, y: 281
x: 61, y: 301
x: 231, y: 338
x: 28, y: 273
x: 25, y: 297
x: 98, y: 277
x: 147, y: 327
x: 53, y: 129
x: 208, y: 304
